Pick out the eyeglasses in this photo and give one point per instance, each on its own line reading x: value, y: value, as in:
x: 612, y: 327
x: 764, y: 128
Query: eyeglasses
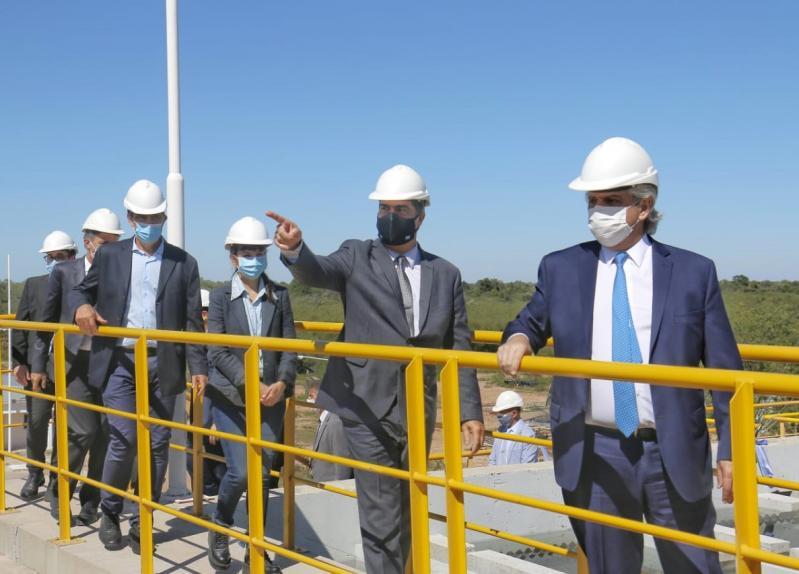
x: 60, y: 258
x: 403, y: 211
x: 148, y: 219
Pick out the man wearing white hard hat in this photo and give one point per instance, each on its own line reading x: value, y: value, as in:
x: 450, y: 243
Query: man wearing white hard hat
x: 87, y: 430
x: 143, y: 283
x: 627, y: 448
x: 508, y: 409
x: 394, y: 293
x: 250, y: 304
x: 57, y: 247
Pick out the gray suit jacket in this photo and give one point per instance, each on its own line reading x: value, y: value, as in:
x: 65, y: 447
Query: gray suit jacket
x: 178, y: 308
x: 65, y: 277
x: 30, y: 308
x: 330, y: 439
x: 364, y: 390
x: 226, y: 316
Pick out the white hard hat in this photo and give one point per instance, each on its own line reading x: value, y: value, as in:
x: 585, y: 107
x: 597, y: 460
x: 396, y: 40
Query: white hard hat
x: 205, y: 298
x: 103, y: 220
x: 145, y: 198
x: 507, y: 400
x: 616, y: 162
x: 247, y: 231
x: 401, y: 183
x: 56, y: 241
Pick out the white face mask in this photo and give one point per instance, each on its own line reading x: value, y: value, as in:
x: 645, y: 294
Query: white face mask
x: 609, y: 224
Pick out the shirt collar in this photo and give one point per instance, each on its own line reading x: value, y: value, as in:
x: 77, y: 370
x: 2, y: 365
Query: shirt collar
x: 158, y: 254
x: 237, y: 288
x: 637, y: 252
x: 414, y: 255
x: 86, y: 264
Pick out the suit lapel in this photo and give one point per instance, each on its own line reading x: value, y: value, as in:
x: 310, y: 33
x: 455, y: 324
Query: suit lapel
x: 427, y: 281
x: 238, y: 314
x: 386, y: 265
x: 661, y: 281
x: 319, y: 430
x: 587, y: 277
x: 267, y: 313
x: 167, y: 266
x: 127, y: 265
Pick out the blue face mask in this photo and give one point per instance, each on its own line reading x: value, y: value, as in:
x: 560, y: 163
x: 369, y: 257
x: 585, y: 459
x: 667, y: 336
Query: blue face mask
x: 50, y: 266
x: 252, y: 266
x: 505, y: 420
x: 149, y: 232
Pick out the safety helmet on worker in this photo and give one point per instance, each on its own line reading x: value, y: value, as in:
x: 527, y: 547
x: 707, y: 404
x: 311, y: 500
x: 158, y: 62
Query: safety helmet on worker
x: 401, y: 183
x: 508, y: 400
x: 145, y: 198
x: 205, y: 298
x: 103, y: 220
x: 616, y: 162
x: 58, y: 241
x: 247, y: 231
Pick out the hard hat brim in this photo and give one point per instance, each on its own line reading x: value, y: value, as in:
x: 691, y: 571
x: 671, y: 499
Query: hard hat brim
x: 160, y: 208
x: 103, y: 230
x: 239, y: 241
x: 70, y: 247
x: 420, y: 195
x: 579, y: 184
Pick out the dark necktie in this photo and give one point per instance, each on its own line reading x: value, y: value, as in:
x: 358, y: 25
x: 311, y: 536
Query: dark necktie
x: 401, y: 264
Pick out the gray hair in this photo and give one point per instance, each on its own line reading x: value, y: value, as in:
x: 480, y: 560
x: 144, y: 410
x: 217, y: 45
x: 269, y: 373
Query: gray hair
x: 644, y: 191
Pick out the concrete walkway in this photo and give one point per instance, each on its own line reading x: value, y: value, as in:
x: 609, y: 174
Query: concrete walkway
x: 28, y: 531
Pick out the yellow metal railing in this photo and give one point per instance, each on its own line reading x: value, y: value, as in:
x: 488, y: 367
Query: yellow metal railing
x: 743, y: 384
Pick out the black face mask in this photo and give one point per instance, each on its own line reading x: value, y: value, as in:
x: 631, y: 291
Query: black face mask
x: 394, y: 230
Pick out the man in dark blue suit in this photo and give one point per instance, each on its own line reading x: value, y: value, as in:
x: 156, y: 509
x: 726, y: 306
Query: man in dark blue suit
x: 623, y: 448
x: 142, y: 283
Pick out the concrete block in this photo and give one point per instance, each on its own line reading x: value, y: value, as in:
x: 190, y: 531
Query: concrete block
x: 439, y: 548
x: 767, y: 543
x: 491, y: 562
x: 787, y: 531
x: 771, y: 503
x: 794, y: 553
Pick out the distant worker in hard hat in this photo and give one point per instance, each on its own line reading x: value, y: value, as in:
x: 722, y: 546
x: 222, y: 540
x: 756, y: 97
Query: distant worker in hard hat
x: 329, y: 438
x: 394, y: 293
x: 628, y: 448
x: 87, y: 431
x: 57, y: 247
x: 509, y: 414
x: 254, y: 305
x: 142, y: 283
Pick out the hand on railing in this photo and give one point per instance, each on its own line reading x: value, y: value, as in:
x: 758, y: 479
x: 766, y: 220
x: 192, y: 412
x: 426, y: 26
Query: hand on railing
x: 510, y: 355
x: 87, y: 319
x: 271, y: 394
x: 724, y: 479
x: 199, y: 382
x: 38, y: 381
x: 473, y: 434
x: 22, y: 375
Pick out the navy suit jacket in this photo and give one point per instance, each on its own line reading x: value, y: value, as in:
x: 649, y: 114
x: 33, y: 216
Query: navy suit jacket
x: 689, y: 327
x: 177, y: 308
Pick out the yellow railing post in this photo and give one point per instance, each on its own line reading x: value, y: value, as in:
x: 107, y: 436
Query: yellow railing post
x: 143, y: 453
x: 582, y: 561
x: 197, y: 465
x: 288, y: 475
x: 417, y: 465
x: 3, y: 431
x: 744, y: 484
x: 453, y: 465
x: 62, y: 445
x: 255, y: 505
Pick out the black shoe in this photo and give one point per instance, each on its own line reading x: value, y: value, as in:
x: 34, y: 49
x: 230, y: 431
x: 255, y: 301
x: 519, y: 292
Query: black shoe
x: 269, y: 566
x: 89, y: 514
x: 134, y: 538
x: 110, y: 534
x: 54, y: 511
x: 218, y: 550
x: 30, y: 490
x: 49, y: 494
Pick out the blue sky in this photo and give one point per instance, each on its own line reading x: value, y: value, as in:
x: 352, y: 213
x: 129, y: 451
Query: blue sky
x: 298, y: 106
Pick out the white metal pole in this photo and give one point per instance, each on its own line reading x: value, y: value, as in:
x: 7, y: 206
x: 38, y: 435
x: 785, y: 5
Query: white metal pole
x: 9, y: 377
x: 174, y: 211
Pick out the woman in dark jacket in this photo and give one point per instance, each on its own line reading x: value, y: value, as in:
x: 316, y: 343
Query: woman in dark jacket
x: 250, y: 304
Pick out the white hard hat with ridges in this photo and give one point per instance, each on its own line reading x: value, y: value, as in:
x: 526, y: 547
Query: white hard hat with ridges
x: 401, y: 183
x: 145, y: 198
x: 247, y: 231
x: 56, y: 241
x: 508, y: 400
x: 103, y: 220
x: 616, y: 162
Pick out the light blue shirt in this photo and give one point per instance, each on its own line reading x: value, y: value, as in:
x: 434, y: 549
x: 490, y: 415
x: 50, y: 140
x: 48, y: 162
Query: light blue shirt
x: 512, y: 452
x: 140, y: 308
x: 252, y: 309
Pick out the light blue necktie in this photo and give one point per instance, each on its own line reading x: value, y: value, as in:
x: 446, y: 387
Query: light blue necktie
x: 625, y: 350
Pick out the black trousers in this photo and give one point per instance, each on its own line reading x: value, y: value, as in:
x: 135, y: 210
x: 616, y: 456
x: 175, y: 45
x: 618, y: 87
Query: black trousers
x: 40, y: 412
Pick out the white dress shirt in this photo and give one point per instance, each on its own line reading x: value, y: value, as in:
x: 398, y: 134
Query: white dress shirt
x: 638, y: 271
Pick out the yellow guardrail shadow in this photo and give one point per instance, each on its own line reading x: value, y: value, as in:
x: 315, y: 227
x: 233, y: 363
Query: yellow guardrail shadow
x: 743, y: 384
